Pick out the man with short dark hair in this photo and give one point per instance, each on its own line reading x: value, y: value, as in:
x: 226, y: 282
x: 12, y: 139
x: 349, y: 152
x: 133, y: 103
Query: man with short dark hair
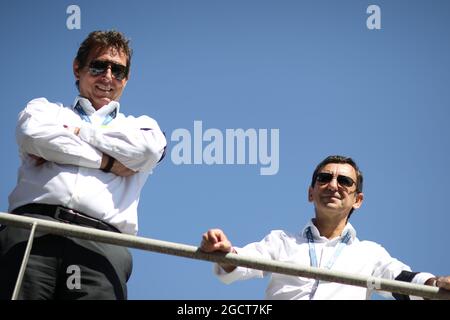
x: 83, y: 164
x: 327, y: 241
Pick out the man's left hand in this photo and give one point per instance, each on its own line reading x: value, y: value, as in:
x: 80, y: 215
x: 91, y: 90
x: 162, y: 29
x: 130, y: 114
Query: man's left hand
x: 75, y: 130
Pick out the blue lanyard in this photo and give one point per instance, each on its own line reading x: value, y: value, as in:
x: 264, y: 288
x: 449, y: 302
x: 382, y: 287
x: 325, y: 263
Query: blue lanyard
x: 85, y: 117
x: 312, y: 249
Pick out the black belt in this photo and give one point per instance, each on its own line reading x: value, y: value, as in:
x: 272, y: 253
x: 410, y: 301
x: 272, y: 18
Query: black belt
x: 65, y: 215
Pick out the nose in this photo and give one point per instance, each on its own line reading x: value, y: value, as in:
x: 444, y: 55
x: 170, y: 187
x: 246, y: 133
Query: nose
x: 333, y: 184
x: 107, y: 74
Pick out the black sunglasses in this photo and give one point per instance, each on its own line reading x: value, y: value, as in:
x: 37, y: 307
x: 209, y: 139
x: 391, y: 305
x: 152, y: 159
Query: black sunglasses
x: 325, y: 177
x: 98, y: 67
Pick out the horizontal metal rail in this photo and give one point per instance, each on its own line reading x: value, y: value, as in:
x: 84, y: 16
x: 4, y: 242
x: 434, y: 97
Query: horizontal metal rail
x: 187, y: 251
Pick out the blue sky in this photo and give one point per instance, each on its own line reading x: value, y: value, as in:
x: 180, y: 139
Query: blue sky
x: 311, y: 69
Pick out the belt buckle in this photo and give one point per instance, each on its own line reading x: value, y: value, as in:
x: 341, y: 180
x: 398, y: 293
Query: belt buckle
x: 60, y: 210
x: 80, y: 219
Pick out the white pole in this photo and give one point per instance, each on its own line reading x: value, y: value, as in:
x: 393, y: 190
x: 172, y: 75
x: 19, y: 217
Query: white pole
x: 193, y: 252
x: 24, y: 263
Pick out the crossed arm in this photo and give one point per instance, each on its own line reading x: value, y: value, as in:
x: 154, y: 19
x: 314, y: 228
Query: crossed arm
x: 48, y: 132
x: 117, y: 168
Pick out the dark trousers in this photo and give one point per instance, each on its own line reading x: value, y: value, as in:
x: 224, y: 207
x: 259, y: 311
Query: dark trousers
x: 62, y: 267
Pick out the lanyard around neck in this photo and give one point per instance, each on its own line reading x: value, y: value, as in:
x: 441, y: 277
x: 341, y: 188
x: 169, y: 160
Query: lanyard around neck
x: 312, y: 249
x: 86, y: 118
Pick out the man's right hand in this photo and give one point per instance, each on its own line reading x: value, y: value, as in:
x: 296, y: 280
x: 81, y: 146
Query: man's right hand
x: 216, y: 240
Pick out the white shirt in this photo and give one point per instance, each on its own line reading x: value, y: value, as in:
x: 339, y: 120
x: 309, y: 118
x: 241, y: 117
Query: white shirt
x: 71, y: 176
x: 359, y: 257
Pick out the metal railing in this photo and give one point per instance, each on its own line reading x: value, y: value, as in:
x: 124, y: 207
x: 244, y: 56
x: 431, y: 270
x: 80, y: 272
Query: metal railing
x: 187, y: 251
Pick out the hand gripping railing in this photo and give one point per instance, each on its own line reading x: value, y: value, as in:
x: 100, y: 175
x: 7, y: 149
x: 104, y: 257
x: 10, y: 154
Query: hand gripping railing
x: 193, y: 252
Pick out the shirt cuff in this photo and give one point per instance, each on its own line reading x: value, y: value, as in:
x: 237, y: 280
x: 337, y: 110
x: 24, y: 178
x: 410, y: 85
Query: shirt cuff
x: 420, y: 278
x: 229, y: 277
x: 92, y: 160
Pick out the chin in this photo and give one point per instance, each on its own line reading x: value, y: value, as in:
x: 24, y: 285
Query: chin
x: 332, y: 208
x: 101, y: 102
x: 330, y: 205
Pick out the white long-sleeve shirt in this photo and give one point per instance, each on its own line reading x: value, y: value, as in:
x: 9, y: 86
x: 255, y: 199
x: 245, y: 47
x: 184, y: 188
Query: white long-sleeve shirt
x: 359, y: 257
x: 71, y: 176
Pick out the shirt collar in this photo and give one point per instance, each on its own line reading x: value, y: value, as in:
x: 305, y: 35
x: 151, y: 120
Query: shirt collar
x: 90, y: 110
x: 316, y: 234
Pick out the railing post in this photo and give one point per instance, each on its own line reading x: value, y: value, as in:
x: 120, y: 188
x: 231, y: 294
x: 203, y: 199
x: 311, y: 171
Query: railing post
x: 24, y: 263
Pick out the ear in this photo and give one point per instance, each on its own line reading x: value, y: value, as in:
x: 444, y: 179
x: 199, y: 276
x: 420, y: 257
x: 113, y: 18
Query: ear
x: 310, y: 197
x: 76, y: 69
x: 358, y: 200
